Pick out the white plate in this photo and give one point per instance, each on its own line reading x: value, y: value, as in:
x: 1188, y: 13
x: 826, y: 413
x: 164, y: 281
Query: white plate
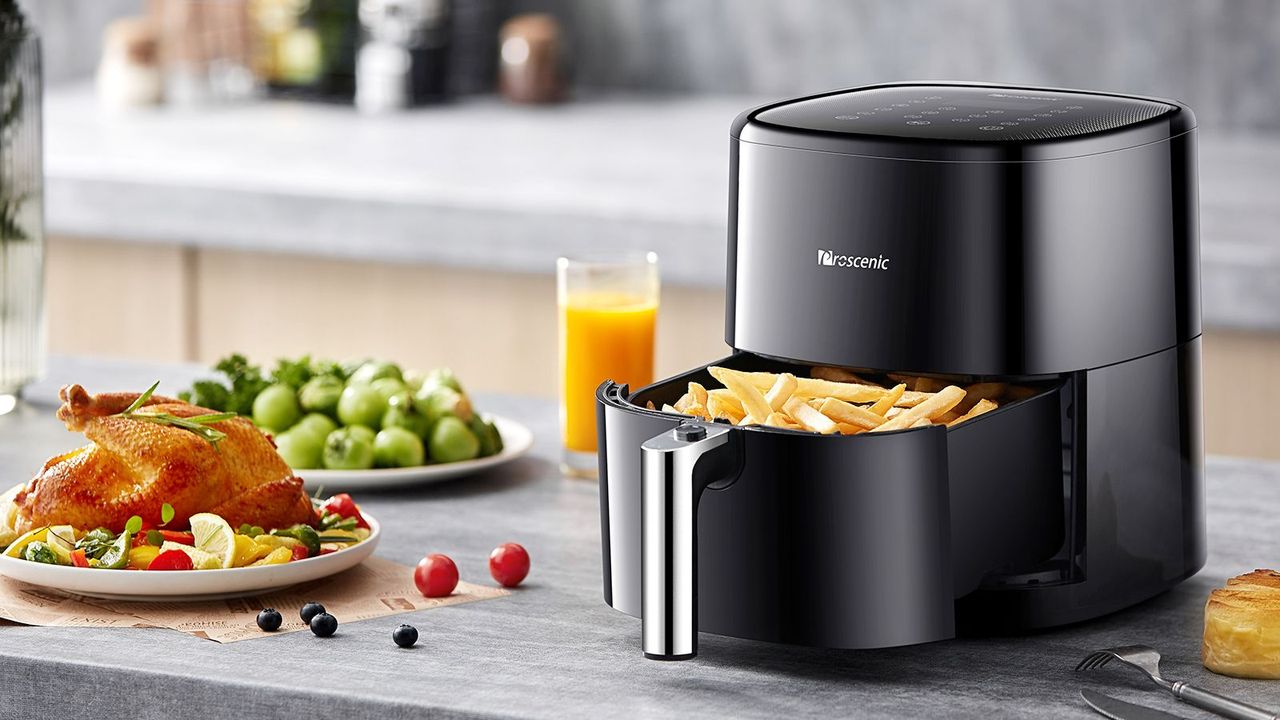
x: 180, y: 585
x: 516, y: 441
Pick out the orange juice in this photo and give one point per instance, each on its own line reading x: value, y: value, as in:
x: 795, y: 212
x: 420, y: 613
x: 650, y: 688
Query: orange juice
x: 603, y: 336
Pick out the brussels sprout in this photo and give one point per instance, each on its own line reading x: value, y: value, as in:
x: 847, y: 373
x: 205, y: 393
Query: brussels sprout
x: 374, y: 370
x: 320, y: 395
x: 414, y: 380
x: 348, y: 449
x: 317, y: 425
x: 402, y: 414
x: 398, y: 447
x: 276, y: 407
x: 361, y: 405
x: 487, y: 434
x: 435, y: 402
x: 442, y: 377
x: 301, y: 448
x: 363, y: 432
x: 40, y: 552
x: 452, y: 441
x: 386, y: 387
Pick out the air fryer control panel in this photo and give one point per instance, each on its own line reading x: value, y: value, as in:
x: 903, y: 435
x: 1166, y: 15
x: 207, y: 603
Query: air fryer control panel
x: 964, y: 113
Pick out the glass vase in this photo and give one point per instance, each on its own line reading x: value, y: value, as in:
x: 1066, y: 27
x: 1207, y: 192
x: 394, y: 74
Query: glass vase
x: 21, y: 208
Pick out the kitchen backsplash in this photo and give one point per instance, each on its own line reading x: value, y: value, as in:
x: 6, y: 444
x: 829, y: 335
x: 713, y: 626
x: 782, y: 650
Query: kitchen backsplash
x: 1220, y: 56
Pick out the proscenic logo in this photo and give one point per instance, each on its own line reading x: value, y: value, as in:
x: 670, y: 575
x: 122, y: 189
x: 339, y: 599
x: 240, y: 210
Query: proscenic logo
x: 830, y: 258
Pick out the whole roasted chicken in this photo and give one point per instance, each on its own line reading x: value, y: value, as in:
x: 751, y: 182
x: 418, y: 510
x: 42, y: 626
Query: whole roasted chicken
x: 133, y: 465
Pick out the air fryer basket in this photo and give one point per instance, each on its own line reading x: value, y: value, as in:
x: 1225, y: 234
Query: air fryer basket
x: 847, y: 541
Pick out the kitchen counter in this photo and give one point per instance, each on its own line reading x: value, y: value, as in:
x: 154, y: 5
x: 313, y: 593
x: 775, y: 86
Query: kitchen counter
x: 553, y: 649
x: 481, y: 184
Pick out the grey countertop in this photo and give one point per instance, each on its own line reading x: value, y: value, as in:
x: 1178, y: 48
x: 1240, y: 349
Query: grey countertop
x: 482, y: 184
x: 554, y: 650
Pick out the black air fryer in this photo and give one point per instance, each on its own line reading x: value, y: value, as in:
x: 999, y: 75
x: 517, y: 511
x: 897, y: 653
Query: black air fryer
x: 965, y: 232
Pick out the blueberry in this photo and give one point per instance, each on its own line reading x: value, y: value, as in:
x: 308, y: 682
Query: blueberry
x: 310, y: 610
x: 324, y: 625
x: 405, y: 636
x: 269, y: 620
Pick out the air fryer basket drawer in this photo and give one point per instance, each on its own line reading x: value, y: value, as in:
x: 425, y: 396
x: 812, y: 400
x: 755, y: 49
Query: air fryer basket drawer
x: 844, y: 541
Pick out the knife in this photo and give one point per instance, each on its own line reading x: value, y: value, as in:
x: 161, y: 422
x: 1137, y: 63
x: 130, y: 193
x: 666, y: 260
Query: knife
x: 1121, y: 710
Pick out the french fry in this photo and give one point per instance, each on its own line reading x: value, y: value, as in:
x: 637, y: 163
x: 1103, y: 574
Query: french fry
x: 942, y: 401
x: 781, y: 391
x: 843, y: 412
x: 805, y: 387
x: 922, y: 422
x: 781, y: 421
x: 698, y: 411
x: 718, y: 407
x: 748, y: 394
x: 648, y: 405
x: 982, y: 406
x: 727, y: 397
x: 682, y: 405
x: 946, y: 417
x: 669, y: 409
x: 808, y: 417
x: 699, y: 393
x: 835, y: 374
x: 847, y: 429
x: 980, y: 391
x: 883, y: 404
x: 928, y: 385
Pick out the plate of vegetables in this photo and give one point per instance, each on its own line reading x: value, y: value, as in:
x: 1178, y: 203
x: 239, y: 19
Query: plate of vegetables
x: 364, y: 424
x: 207, y: 560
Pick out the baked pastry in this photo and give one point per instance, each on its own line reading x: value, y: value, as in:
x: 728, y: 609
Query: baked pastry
x: 132, y: 467
x: 1242, y: 627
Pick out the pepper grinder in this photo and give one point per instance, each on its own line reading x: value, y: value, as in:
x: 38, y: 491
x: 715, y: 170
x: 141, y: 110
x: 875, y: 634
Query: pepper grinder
x: 531, y: 66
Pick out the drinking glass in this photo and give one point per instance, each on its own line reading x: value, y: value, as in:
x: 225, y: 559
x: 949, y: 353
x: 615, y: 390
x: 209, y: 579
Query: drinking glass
x: 608, y: 306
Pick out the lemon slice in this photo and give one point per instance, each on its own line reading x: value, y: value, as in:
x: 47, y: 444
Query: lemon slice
x: 17, y: 546
x: 61, y: 540
x: 200, y: 560
x: 214, y: 536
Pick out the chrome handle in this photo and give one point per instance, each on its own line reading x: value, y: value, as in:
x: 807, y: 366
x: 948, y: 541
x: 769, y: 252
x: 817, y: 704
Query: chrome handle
x: 677, y: 466
x: 1220, y: 704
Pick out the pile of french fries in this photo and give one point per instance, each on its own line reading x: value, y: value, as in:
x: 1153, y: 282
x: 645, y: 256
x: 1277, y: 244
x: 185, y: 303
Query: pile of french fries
x: 834, y: 400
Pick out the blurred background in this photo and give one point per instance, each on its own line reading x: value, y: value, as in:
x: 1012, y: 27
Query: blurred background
x: 252, y: 175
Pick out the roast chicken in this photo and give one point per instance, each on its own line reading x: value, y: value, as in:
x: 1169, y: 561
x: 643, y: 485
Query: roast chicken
x: 132, y: 467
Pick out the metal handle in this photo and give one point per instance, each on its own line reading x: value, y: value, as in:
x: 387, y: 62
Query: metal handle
x: 677, y: 466
x: 1220, y: 704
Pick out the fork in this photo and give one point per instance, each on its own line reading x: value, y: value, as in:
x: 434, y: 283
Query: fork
x: 1147, y: 659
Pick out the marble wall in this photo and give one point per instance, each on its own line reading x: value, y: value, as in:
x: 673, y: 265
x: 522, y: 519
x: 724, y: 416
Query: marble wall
x: 1220, y: 56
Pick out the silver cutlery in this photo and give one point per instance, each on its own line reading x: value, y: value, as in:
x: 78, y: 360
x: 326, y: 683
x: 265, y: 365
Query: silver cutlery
x: 1121, y: 710
x: 1147, y: 660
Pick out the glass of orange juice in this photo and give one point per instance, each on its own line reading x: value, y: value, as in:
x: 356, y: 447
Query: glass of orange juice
x: 608, y: 307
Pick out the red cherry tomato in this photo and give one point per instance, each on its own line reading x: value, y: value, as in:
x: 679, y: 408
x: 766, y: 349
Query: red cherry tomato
x: 435, y: 576
x: 171, y: 560
x: 300, y: 552
x: 343, y: 506
x: 509, y: 564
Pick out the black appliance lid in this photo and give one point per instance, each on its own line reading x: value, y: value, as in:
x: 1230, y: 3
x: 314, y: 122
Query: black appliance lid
x: 964, y: 122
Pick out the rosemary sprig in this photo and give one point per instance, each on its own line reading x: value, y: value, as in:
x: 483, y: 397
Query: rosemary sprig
x: 198, y: 424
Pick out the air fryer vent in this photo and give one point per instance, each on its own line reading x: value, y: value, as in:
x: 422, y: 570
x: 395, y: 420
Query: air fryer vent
x: 959, y: 112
